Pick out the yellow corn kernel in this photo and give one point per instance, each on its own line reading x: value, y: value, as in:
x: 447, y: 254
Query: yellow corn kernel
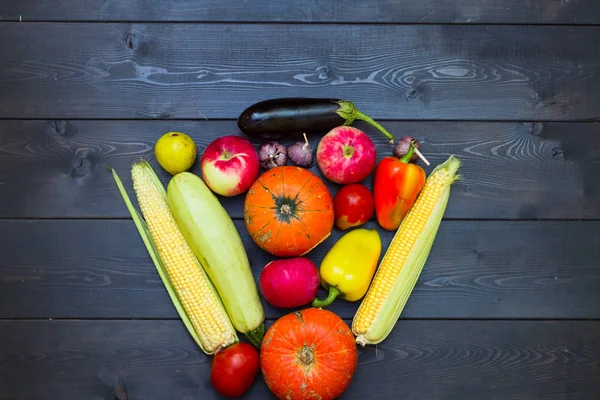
x: 404, y: 259
x: 195, y: 292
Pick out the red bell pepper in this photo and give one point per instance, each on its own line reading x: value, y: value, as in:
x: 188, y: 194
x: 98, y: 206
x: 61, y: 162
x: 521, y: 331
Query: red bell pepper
x: 396, y: 185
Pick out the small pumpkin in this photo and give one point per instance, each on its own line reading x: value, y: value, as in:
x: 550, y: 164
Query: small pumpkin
x: 288, y: 211
x: 308, y: 354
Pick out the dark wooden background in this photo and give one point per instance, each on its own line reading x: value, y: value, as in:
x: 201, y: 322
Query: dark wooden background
x: 508, y: 305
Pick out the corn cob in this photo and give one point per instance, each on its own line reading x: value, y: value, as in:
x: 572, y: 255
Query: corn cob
x: 404, y: 259
x: 191, y: 291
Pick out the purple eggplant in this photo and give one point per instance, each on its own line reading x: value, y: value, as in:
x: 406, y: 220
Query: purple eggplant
x: 287, y: 118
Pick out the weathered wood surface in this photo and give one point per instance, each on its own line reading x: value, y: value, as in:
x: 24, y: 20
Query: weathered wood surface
x: 456, y: 72
x: 508, y: 304
x: 156, y: 360
x: 379, y: 11
x: 477, y: 269
x: 55, y: 169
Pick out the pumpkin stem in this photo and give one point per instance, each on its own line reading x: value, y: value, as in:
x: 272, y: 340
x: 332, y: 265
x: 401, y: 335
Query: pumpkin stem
x: 286, y: 209
x: 333, y: 293
x: 306, y: 356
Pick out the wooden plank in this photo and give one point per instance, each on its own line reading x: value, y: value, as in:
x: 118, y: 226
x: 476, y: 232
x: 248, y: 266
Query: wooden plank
x: 154, y: 360
x: 123, y: 70
x: 54, y: 169
x: 100, y: 269
x: 381, y: 11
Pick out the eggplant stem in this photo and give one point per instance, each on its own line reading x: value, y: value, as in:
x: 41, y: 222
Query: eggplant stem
x: 350, y: 113
x: 364, y: 117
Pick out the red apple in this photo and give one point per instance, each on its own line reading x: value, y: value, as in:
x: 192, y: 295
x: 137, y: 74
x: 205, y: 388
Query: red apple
x: 346, y: 155
x: 229, y: 165
x: 353, y: 206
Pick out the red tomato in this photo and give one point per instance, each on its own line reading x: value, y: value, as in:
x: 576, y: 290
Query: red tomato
x: 234, y: 369
x: 353, y: 205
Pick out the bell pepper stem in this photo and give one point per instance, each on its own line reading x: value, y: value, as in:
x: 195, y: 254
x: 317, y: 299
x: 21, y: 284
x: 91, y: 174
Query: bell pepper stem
x: 411, y: 149
x: 333, y: 293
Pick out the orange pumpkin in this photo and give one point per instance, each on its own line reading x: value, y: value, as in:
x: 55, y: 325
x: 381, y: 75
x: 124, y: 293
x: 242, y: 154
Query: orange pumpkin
x: 308, y: 354
x: 288, y: 211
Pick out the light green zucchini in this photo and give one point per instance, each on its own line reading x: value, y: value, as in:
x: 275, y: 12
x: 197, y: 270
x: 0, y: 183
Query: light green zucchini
x: 212, y: 235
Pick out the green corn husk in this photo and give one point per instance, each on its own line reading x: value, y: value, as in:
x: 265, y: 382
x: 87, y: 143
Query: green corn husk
x: 146, y: 236
x: 370, y: 326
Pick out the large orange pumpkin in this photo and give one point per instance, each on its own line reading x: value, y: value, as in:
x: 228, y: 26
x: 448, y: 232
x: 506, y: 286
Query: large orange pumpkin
x: 308, y: 354
x: 288, y: 211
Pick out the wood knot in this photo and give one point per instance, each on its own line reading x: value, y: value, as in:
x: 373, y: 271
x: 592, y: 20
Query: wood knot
x: 414, y: 93
x: 558, y: 153
x: 163, y: 115
x: 120, y: 393
x: 133, y: 41
x: 57, y: 128
x: 324, y: 72
x: 536, y: 101
x: 83, y: 162
x: 534, y: 128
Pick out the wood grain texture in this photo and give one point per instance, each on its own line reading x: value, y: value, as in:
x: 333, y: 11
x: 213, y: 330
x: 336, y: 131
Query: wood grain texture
x: 378, y: 11
x: 100, y: 269
x: 457, y: 72
x: 434, y: 360
x: 55, y: 169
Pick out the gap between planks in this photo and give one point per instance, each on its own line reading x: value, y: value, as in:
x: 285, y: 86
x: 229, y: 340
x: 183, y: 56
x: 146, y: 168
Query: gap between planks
x: 381, y: 120
x: 482, y: 220
x: 62, y: 319
x: 238, y: 22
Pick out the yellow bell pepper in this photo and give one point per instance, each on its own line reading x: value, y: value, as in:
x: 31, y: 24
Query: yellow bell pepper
x: 349, y: 266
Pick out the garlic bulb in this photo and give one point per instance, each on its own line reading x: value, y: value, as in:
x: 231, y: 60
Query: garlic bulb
x: 272, y: 154
x: 300, y: 153
x: 403, y: 145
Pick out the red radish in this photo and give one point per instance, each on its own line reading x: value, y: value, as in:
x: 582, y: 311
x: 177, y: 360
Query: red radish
x: 289, y: 282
